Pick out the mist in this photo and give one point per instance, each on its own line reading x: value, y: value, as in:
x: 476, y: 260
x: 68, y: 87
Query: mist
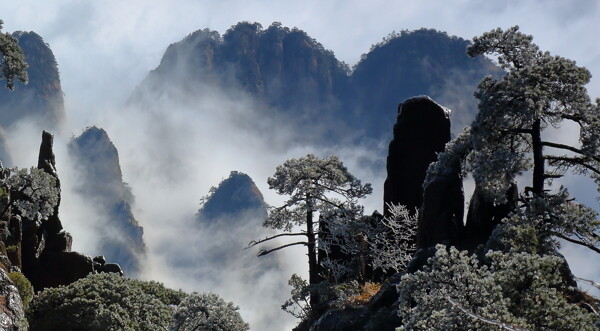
x: 173, y: 152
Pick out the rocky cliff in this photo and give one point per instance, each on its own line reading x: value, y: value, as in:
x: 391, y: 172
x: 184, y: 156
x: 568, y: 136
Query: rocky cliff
x: 292, y: 74
x: 101, y: 181
x: 41, y: 100
x: 421, y: 131
x: 40, y: 247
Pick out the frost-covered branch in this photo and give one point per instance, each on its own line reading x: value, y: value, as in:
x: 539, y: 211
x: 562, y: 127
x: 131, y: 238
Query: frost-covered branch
x: 393, y: 242
x: 569, y: 148
x: 483, y: 319
x: 575, y: 241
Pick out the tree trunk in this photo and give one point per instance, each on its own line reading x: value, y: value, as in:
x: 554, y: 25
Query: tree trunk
x: 538, y: 158
x: 313, y: 265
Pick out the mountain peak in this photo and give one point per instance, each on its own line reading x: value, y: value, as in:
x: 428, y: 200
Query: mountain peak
x: 42, y: 98
x: 235, y: 195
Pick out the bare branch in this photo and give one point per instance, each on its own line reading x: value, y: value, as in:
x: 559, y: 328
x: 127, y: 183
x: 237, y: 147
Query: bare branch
x: 591, y: 282
x: 263, y: 252
x: 578, y: 242
x: 483, y: 319
x: 552, y: 176
x: 576, y: 160
x: 255, y: 242
x: 569, y: 148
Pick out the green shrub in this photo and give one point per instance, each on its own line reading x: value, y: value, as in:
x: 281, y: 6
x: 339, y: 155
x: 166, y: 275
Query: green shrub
x: 23, y: 285
x: 104, y: 301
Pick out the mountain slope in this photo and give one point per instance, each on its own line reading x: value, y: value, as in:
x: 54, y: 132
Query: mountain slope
x: 101, y: 181
x: 42, y: 98
x: 296, y: 78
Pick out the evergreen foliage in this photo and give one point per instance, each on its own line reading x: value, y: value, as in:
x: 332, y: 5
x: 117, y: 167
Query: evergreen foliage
x: 314, y: 185
x: 34, y: 193
x: 516, y: 290
x: 12, y: 60
x: 103, y: 301
x: 207, y: 312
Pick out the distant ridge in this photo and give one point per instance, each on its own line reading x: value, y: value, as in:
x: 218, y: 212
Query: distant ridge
x: 294, y: 75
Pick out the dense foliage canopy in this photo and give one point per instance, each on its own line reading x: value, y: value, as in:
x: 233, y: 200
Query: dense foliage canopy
x: 207, y: 312
x: 104, y: 301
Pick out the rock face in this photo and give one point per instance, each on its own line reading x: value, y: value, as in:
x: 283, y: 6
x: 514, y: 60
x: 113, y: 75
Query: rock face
x: 97, y: 162
x: 295, y: 76
x: 42, y: 98
x: 442, y: 212
x: 12, y: 313
x: 421, y: 132
x: 45, y: 248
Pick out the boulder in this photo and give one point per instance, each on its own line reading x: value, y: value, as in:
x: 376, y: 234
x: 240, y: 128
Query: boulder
x: 47, y: 163
x: 111, y: 267
x: 53, y: 269
x: 421, y: 132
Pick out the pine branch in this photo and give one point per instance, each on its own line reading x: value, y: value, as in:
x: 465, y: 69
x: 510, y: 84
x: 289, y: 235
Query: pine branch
x: 573, y: 160
x: 575, y: 241
x: 263, y: 252
x: 483, y: 319
x: 569, y: 148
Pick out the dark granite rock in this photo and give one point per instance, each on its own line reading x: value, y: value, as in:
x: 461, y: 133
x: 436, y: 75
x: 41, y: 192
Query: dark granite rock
x: 47, y: 163
x: 441, y: 215
x: 101, y: 260
x: 347, y: 319
x: 483, y: 216
x: 45, y: 249
x: 53, y: 269
x: 421, y: 132
x: 59, y: 242
x: 112, y: 267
